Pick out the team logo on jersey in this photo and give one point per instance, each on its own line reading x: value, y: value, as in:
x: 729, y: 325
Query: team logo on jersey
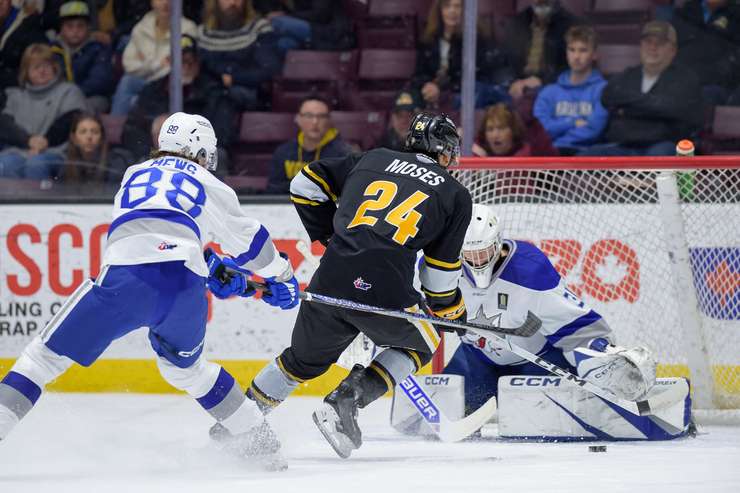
x: 503, y: 301
x: 361, y: 284
x: 166, y: 246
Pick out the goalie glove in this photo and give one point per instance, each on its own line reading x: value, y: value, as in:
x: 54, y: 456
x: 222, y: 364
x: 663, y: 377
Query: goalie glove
x: 627, y: 373
x: 225, y: 278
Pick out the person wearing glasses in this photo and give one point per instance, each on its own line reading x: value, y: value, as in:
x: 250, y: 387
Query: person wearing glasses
x: 316, y: 139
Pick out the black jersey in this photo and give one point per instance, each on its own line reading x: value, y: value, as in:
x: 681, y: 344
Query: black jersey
x: 375, y: 211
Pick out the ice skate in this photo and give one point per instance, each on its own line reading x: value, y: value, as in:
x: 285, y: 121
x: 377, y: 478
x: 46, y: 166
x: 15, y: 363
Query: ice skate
x: 259, y: 444
x: 337, y: 416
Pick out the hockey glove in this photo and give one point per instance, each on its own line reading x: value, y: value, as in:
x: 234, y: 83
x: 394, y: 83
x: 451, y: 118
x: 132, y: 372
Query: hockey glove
x: 626, y: 373
x: 284, y: 290
x: 224, y: 280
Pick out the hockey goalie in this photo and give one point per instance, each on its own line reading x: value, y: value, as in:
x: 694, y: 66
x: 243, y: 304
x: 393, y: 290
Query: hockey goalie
x: 502, y: 280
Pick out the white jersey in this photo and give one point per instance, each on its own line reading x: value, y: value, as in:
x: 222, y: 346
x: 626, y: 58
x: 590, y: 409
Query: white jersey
x: 169, y: 208
x: 527, y: 281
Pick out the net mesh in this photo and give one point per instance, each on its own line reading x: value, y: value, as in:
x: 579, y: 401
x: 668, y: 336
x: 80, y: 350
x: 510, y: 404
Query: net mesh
x: 604, y: 232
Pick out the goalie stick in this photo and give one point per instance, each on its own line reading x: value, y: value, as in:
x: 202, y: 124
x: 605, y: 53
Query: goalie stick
x: 531, y: 325
x: 447, y: 430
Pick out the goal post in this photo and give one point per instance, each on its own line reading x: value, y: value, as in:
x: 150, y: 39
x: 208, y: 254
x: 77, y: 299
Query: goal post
x: 651, y: 243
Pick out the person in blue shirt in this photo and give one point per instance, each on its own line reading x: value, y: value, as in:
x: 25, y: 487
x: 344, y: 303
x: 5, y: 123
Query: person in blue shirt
x: 571, y: 109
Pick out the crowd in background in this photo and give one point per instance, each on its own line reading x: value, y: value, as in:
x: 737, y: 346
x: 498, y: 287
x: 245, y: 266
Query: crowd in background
x: 539, y: 90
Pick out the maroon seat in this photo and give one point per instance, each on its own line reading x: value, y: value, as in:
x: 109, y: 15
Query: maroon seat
x: 618, y: 33
x: 399, y: 8
x: 259, y: 127
x: 307, y: 72
x: 113, y: 128
x: 246, y: 184
x: 496, y: 8
x: 615, y: 58
x: 250, y: 164
x: 363, y: 128
x: 621, y: 11
x: 389, y: 37
x: 575, y: 7
x: 382, y: 74
x: 724, y: 134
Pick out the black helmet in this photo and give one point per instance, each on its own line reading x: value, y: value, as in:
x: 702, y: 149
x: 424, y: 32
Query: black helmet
x: 434, y: 135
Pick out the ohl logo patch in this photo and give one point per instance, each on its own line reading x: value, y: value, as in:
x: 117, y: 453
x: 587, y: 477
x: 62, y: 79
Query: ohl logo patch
x: 717, y: 280
x: 361, y: 284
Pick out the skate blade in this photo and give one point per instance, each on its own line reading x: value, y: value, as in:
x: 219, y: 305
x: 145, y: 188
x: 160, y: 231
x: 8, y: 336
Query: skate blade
x: 326, y: 420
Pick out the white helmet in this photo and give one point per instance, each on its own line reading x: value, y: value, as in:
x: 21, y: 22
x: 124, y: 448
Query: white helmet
x: 482, y: 244
x: 192, y: 136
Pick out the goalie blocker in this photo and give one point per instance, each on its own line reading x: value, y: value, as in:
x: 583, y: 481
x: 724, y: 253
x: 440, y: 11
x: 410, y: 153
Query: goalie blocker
x: 545, y: 408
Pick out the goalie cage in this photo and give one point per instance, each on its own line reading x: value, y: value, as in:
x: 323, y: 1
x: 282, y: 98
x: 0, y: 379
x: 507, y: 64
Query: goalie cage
x: 651, y: 243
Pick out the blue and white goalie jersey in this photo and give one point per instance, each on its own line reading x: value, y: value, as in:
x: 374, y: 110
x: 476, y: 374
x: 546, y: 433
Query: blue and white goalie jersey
x: 169, y: 208
x: 527, y: 281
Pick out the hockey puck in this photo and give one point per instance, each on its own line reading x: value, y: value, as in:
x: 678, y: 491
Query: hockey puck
x: 597, y: 448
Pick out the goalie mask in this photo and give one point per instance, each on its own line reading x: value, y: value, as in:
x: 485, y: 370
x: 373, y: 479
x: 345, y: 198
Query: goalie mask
x: 482, y: 244
x: 191, y: 136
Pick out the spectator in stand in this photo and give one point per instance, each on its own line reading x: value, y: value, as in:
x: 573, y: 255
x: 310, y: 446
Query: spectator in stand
x: 404, y: 109
x: 19, y: 28
x: 147, y: 54
x: 202, y: 95
x: 570, y: 109
x: 85, y: 62
x: 503, y: 133
x: 709, y: 44
x: 535, y: 38
x: 240, y: 49
x: 86, y: 153
x: 654, y: 105
x: 439, y: 60
x: 36, y: 119
x: 316, y: 139
x: 311, y: 24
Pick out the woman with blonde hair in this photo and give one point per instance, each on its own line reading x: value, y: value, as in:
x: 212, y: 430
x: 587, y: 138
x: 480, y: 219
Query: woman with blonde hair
x: 439, y: 58
x: 35, y: 121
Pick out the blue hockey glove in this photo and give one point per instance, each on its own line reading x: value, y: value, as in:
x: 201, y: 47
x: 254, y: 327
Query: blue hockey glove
x: 224, y: 281
x: 283, y: 293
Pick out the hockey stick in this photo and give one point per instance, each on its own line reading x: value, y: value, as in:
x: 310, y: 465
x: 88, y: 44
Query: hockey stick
x: 640, y: 408
x: 361, y: 349
x: 530, y: 326
x: 444, y: 428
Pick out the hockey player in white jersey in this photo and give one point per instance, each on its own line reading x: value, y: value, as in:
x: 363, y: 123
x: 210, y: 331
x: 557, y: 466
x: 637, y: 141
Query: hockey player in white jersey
x: 509, y: 278
x: 154, y: 275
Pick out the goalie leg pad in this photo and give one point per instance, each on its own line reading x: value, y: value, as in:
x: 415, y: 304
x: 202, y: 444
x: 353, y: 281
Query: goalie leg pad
x: 448, y: 392
x: 546, y: 408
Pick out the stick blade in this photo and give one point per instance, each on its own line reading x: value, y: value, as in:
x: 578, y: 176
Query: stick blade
x: 454, y: 431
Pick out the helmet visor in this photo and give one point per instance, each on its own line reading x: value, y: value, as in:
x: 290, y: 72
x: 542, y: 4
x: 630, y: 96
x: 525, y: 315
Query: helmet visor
x: 480, y: 258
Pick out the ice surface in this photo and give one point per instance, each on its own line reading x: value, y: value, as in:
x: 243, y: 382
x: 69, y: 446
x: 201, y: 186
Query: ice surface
x: 138, y: 443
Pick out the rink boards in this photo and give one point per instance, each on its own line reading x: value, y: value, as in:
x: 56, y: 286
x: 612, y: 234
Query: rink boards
x: 47, y: 250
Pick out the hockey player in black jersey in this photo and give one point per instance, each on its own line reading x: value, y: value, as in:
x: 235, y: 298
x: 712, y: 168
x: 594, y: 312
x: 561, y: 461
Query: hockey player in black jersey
x: 374, y: 211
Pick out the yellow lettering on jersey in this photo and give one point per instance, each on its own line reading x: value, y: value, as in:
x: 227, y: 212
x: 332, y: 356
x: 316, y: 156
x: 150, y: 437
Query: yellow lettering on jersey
x: 387, y: 190
x: 405, y: 218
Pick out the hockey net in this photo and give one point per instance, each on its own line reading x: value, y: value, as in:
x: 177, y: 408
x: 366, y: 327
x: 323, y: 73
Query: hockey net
x: 653, y: 244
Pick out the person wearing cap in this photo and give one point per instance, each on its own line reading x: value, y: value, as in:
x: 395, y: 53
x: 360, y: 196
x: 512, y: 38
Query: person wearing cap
x: 653, y: 105
x: 201, y: 94
x: 709, y: 44
x: 147, y: 54
x: 405, y: 107
x: 84, y: 61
